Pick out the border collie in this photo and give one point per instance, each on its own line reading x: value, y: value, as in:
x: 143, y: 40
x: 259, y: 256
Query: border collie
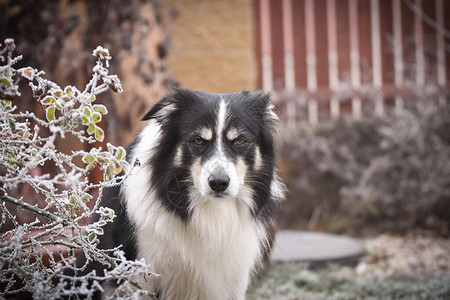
x: 200, y: 203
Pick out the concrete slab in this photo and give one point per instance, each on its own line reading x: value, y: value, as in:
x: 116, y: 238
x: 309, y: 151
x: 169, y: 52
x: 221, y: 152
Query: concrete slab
x: 316, y: 248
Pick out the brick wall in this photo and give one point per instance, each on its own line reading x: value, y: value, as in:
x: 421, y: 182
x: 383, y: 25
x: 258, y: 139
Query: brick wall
x: 211, y: 45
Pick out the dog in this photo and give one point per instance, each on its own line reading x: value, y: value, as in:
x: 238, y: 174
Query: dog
x: 199, y: 204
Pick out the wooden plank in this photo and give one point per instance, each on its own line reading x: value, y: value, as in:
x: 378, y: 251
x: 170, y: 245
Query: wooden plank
x: 440, y: 48
x: 419, y: 46
x: 375, y: 33
x: 364, y: 41
x: 266, y: 46
x: 377, y: 70
x: 289, y: 65
x: 277, y: 44
x: 321, y: 41
x: 288, y: 38
x: 386, y: 33
x: 343, y: 41
x: 298, y: 7
x: 430, y: 40
x: 398, y: 50
x: 333, y: 70
x: 354, y: 44
x: 355, y: 73
x: 440, y: 44
x: 447, y: 27
x: 323, y: 94
x: 257, y: 35
x: 408, y: 43
x: 311, y: 59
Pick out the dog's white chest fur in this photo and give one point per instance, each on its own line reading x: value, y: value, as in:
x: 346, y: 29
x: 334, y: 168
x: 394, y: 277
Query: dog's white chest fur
x: 210, y: 258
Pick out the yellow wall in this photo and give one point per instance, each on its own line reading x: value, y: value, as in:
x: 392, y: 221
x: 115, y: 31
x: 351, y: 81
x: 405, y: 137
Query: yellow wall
x: 211, y: 45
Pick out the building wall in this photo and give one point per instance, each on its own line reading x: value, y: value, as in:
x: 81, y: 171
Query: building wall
x: 211, y: 45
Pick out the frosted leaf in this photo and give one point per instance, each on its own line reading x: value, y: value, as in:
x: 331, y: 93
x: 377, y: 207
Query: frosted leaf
x: 28, y: 73
x: 102, y: 53
x: 114, y: 83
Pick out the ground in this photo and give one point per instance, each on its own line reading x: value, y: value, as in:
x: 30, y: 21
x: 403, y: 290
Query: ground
x: 413, y: 267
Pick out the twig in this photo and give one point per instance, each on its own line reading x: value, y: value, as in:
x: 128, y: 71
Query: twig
x: 29, y: 207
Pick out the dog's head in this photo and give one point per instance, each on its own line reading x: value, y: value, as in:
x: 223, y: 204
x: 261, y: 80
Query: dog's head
x: 213, y: 147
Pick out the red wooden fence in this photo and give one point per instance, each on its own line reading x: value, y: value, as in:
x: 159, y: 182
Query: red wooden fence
x: 338, y: 53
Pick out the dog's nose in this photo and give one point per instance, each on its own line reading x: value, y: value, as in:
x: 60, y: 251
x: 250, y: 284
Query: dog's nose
x: 218, y: 182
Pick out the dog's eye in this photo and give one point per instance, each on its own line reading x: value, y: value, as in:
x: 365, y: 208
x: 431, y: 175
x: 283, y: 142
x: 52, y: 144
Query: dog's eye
x: 239, y: 141
x: 199, y: 141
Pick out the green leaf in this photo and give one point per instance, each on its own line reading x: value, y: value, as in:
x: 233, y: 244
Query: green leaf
x: 120, y: 153
x: 109, y: 173
x: 8, y: 105
x: 84, y: 120
x: 91, y: 128
x: 91, y: 237
x: 87, y: 111
x: 88, y: 158
x: 86, y: 198
x: 5, y: 81
x: 11, y: 124
x: 116, y: 167
x: 110, y: 148
x: 100, y: 108
x: 99, y: 134
x: 96, y: 117
x: 50, y: 113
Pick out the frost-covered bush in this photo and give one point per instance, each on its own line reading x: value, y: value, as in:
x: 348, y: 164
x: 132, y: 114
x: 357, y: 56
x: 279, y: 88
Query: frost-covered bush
x: 390, y: 172
x: 291, y: 281
x: 34, y: 254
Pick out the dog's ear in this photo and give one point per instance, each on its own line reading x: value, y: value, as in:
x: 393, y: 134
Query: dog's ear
x: 164, y: 107
x: 265, y: 106
x: 161, y: 109
x: 174, y: 100
x: 246, y: 92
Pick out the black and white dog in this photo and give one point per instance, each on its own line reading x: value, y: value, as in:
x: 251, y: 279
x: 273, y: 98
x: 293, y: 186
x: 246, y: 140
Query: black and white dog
x: 199, y: 204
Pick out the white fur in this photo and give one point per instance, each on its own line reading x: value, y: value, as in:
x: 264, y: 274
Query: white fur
x: 219, y: 162
x: 232, y: 134
x: 178, y: 159
x: 258, y: 159
x: 277, y: 188
x: 222, y: 117
x: 206, y: 133
x: 165, y: 111
x: 209, y: 257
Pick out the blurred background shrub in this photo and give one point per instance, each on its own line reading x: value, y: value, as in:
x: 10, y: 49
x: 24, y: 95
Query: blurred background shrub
x: 375, y: 174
